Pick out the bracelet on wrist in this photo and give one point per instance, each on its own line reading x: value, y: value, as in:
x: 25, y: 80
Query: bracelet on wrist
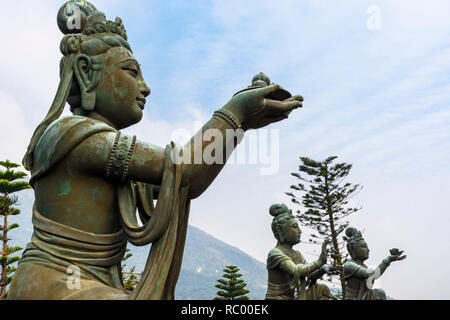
x: 229, y: 118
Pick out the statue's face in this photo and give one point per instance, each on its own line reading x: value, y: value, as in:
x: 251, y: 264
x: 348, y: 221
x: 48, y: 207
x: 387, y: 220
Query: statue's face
x: 121, y: 92
x: 362, y: 251
x: 292, y: 232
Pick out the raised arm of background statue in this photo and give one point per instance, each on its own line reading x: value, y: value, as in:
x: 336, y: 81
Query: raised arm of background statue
x: 250, y: 108
x: 306, y: 269
x: 324, y: 253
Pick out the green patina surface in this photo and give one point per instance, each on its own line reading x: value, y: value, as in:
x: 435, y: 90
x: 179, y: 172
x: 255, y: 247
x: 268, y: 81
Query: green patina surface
x: 95, y: 193
x: 64, y: 188
x: 122, y: 92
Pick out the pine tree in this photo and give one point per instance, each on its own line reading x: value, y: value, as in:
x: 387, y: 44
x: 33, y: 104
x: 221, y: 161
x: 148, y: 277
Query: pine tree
x: 325, y: 198
x: 232, y: 288
x: 130, y: 279
x: 8, y: 186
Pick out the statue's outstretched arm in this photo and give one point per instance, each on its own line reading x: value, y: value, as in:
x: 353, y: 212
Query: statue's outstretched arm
x: 122, y: 157
x: 364, y: 273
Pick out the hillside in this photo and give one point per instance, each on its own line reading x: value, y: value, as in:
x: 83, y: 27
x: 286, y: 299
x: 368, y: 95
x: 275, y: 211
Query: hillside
x: 204, y: 259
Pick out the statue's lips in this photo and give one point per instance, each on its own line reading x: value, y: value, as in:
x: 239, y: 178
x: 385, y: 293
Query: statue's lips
x: 141, y: 102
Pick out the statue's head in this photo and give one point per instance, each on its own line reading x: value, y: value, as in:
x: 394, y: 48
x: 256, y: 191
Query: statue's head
x: 356, y: 245
x: 284, y: 225
x: 107, y: 78
x: 99, y: 74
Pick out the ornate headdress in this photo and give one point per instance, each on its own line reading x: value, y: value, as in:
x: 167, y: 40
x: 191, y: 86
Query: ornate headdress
x: 353, y: 236
x: 279, y: 218
x: 78, y: 20
x: 83, y: 18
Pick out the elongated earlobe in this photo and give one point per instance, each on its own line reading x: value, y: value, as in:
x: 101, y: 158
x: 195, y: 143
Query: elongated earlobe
x: 87, y: 79
x: 280, y: 234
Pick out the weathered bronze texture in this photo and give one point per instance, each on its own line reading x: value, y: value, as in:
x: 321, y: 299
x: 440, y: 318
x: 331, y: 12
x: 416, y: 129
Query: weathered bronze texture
x: 89, y: 178
x: 290, y: 277
x: 358, y: 276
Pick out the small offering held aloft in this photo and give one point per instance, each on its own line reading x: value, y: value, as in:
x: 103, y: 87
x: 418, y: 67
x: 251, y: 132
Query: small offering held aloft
x: 261, y: 80
x: 395, y: 252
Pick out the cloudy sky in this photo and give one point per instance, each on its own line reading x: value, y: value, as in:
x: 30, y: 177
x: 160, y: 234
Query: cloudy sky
x: 375, y: 77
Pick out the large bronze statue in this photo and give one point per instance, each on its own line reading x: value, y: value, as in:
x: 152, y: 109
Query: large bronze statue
x: 358, y: 276
x: 290, y: 276
x: 89, y: 178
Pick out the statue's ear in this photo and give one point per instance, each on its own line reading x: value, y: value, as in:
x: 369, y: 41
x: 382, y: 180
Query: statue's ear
x: 87, y: 79
x: 280, y: 233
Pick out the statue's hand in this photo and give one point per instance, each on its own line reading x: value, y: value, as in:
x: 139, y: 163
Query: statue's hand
x: 398, y: 257
x: 254, y: 110
x: 327, y: 269
x: 324, y: 254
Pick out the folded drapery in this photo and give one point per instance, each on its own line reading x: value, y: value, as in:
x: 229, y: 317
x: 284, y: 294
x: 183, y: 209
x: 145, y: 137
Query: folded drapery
x: 57, y: 246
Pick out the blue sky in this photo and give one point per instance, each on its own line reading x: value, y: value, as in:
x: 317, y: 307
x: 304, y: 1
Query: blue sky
x: 377, y: 98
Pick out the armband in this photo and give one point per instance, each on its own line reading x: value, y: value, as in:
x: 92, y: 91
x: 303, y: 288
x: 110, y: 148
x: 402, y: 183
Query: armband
x: 120, y: 157
x: 228, y: 118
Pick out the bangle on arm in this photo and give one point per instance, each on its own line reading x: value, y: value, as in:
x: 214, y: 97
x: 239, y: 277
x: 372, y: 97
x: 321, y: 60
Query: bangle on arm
x: 229, y: 118
x: 120, y: 157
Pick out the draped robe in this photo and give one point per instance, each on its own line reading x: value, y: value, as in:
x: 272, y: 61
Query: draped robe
x: 284, y: 286
x: 46, y: 266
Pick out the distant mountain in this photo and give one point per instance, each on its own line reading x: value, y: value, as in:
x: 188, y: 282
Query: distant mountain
x: 204, y: 259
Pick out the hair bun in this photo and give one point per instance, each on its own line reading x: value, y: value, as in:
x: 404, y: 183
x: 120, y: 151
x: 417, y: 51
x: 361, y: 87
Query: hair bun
x: 275, y: 210
x: 350, y: 232
x: 73, y: 16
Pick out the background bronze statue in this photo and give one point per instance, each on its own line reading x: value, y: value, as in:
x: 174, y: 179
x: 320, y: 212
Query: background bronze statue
x: 289, y: 275
x: 89, y: 178
x: 358, y: 276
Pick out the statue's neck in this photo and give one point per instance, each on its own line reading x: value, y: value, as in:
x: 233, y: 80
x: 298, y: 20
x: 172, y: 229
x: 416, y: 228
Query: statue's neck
x: 285, y: 245
x: 357, y: 260
x: 93, y: 115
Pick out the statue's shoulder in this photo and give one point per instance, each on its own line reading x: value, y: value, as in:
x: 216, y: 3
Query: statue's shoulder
x: 275, y: 257
x: 61, y: 136
x: 76, y: 125
x: 350, y: 267
x: 275, y: 251
x: 278, y: 255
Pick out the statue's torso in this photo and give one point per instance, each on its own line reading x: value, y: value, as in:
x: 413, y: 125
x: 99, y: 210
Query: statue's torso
x: 77, y: 199
x: 278, y: 279
x: 356, y: 287
x: 67, y: 192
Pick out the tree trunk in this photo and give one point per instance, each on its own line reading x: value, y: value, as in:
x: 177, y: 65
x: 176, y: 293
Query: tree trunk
x: 4, y: 263
x: 338, y: 260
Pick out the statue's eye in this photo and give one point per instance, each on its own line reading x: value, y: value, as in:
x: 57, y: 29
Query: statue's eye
x: 133, y: 72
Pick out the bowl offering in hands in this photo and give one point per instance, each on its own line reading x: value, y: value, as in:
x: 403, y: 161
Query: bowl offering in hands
x: 395, y: 252
x: 261, y: 80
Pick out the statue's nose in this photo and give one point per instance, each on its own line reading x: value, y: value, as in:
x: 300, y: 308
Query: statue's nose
x: 145, y: 90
